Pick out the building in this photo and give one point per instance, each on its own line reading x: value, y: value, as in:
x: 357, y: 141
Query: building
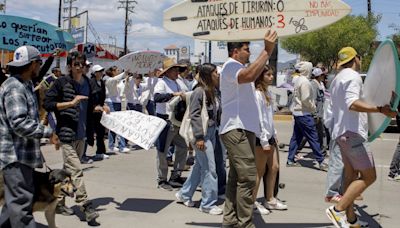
x: 172, y: 51
x: 219, y: 52
x: 113, y: 49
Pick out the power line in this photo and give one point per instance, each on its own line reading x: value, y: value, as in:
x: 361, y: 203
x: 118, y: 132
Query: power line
x: 128, y: 5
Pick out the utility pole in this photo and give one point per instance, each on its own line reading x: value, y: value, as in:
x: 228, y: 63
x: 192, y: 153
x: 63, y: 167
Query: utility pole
x: 128, y: 6
x: 70, y: 15
x: 59, y: 26
x: 369, y: 7
x: 209, y: 51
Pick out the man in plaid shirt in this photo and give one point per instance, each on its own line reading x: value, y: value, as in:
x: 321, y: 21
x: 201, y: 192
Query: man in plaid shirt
x: 20, y: 134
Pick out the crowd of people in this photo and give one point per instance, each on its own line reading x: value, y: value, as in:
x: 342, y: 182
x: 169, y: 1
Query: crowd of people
x: 230, y: 112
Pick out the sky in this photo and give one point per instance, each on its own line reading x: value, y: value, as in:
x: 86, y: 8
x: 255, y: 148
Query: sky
x: 147, y: 32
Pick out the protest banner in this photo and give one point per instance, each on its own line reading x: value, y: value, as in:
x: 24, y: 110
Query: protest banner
x: 18, y: 31
x: 141, y: 62
x: 135, y: 126
x: 382, y: 86
x: 245, y: 20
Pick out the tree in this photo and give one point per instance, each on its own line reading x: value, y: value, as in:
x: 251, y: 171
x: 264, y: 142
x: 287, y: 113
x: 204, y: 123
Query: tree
x: 322, y: 46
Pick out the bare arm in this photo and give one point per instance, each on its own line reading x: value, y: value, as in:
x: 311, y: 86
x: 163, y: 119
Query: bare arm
x: 361, y: 106
x: 251, y: 73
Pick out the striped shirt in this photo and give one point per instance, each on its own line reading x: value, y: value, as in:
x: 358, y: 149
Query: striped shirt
x: 20, y: 129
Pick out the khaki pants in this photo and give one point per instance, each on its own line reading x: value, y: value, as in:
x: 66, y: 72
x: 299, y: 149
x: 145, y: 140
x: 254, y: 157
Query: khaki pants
x: 71, y: 155
x: 238, y: 210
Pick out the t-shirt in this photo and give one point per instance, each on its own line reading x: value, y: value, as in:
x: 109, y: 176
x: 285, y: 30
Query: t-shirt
x: 239, y: 107
x: 84, y: 90
x: 164, y: 86
x: 345, y: 89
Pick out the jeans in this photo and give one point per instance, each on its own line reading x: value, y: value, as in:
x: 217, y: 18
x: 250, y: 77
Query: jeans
x: 304, y: 126
x: 18, y: 195
x: 334, y: 179
x: 395, y: 164
x: 135, y: 107
x: 111, y: 135
x: 220, y: 163
x: 203, y: 172
x: 151, y: 108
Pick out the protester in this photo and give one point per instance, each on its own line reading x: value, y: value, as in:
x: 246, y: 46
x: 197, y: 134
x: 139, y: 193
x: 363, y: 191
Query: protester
x: 304, y: 126
x: 68, y: 99
x: 98, y: 96
x: 133, y: 92
x: 350, y: 131
x: 166, y: 89
x: 204, y: 170
x: 20, y: 137
x: 113, y: 100
x: 42, y: 88
x: 266, y: 155
x: 151, y: 82
x: 319, y: 98
x: 394, y: 170
x: 239, y: 110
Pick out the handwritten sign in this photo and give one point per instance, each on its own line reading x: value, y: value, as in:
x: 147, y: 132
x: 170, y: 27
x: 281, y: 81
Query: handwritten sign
x: 249, y: 19
x: 137, y: 127
x: 19, y: 31
x: 142, y: 62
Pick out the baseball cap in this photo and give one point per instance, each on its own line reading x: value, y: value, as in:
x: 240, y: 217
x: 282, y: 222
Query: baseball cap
x: 97, y: 68
x: 24, y: 55
x: 346, y: 54
x: 88, y: 63
x: 317, y: 72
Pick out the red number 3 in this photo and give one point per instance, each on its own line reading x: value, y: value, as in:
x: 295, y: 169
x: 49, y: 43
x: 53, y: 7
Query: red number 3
x: 281, y: 21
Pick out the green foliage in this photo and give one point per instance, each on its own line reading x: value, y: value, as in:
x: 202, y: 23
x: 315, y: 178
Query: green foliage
x: 322, y: 46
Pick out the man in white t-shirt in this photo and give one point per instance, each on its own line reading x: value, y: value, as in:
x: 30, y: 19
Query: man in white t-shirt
x: 239, y: 126
x: 350, y: 130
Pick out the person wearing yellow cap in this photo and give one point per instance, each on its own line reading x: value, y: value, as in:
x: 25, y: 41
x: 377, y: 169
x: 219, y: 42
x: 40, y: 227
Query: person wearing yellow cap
x: 350, y: 130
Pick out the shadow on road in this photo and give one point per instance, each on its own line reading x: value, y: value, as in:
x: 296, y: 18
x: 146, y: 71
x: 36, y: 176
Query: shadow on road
x: 144, y: 205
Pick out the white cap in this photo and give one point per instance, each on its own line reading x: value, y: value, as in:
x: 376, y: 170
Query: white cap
x: 317, y: 72
x: 88, y: 63
x: 24, y: 55
x: 97, y: 68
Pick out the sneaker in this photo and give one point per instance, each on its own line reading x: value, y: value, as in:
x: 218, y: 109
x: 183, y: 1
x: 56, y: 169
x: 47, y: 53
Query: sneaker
x: 106, y: 156
x: 125, y: 150
x: 359, y: 223
x: 394, y: 178
x: 323, y: 166
x: 90, y: 213
x: 214, y: 210
x: 86, y: 160
x: 64, y: 210
x: 177, y: 182
x: 337, y: 218
x: 187, y: 203
x: 292, y: 164
x: 113, y: 150
x: 164, y: 185
x: 170, y: 163
x: 277, y: 205
x: 260, y: 209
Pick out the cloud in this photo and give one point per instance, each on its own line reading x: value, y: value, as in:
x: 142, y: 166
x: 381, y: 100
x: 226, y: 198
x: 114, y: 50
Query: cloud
x: 147, y: 30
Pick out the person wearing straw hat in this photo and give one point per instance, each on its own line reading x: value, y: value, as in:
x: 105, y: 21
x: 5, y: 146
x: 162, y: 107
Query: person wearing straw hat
x: 350, y: 130
x: 165, y: 90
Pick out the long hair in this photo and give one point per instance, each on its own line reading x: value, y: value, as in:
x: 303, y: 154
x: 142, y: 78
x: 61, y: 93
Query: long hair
x: 205, y: 80
x: 262, y: 85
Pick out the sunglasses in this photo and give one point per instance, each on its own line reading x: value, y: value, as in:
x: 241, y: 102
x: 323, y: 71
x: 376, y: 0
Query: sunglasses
x: 80, y: 64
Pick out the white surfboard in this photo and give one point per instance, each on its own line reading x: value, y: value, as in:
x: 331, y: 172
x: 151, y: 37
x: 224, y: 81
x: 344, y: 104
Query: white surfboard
x: 241, y: 20
x: 141, y: 62
x: 381, y: 86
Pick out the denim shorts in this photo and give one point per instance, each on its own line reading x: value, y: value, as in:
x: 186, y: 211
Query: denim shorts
x: 355, y: 149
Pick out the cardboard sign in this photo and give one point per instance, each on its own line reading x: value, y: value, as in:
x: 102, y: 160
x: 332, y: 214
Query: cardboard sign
x: 382, y: 86
x: 19, y: 31
x: 135, y: 126
x: 142, y: 62
x: 243, y: 20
